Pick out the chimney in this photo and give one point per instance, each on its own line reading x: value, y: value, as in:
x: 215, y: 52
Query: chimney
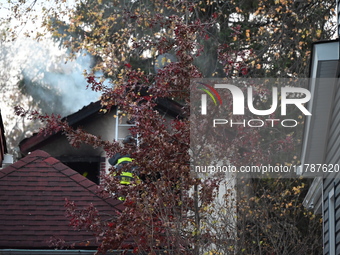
x: 8, y: 160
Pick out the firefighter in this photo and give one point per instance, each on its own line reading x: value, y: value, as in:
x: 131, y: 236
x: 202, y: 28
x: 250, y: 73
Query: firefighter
x: 127, y: 176
x: 118, y: 161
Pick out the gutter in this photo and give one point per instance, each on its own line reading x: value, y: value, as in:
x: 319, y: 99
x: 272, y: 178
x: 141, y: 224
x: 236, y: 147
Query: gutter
x: 56, y: 252
x: 314, y: 197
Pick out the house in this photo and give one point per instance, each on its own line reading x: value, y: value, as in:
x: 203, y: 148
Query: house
x: 320, y: 158
x: 32, y: 213
x: 33, y: 190
x: 86, y: 160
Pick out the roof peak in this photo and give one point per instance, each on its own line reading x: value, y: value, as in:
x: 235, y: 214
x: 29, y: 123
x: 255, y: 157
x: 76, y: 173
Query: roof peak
x: 32, y: 198
x: 39, y: 153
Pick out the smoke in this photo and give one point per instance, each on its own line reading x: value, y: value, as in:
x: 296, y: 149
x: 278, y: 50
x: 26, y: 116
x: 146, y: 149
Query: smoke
x: 55, y: 83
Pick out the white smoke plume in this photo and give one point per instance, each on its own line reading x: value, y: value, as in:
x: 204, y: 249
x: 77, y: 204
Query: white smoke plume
x: 57, y: 84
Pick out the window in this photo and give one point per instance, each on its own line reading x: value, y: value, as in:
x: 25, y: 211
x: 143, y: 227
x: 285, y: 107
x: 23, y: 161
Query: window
x: 88, y: 167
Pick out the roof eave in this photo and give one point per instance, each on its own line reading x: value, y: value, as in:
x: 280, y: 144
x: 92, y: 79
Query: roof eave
x: 318, y: 55
x: 34, y: 142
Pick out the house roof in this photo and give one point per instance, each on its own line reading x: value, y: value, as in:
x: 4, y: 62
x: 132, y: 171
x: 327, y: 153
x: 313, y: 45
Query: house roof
x: 34, y: 142
x: 37, y: 140
x: 32, y: 198
x: 3, y: 147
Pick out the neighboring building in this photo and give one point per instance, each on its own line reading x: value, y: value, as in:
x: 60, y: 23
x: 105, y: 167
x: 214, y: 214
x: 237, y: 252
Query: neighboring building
x: 321, y: 142
x: 3, y: 147
x: 32, y: 213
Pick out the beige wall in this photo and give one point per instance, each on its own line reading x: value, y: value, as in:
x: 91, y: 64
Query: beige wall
x: 103, y: 125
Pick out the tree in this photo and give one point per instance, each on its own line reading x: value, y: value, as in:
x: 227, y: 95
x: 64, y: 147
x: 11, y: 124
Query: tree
x: 273, y: 218
x: 271, y: 39
x: 169, y: 210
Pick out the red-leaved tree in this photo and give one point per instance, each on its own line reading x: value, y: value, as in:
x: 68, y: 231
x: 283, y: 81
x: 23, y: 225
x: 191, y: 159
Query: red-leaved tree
x: 170, y: 208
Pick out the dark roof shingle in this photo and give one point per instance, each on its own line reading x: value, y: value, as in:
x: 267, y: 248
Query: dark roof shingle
x: 32, y: 199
